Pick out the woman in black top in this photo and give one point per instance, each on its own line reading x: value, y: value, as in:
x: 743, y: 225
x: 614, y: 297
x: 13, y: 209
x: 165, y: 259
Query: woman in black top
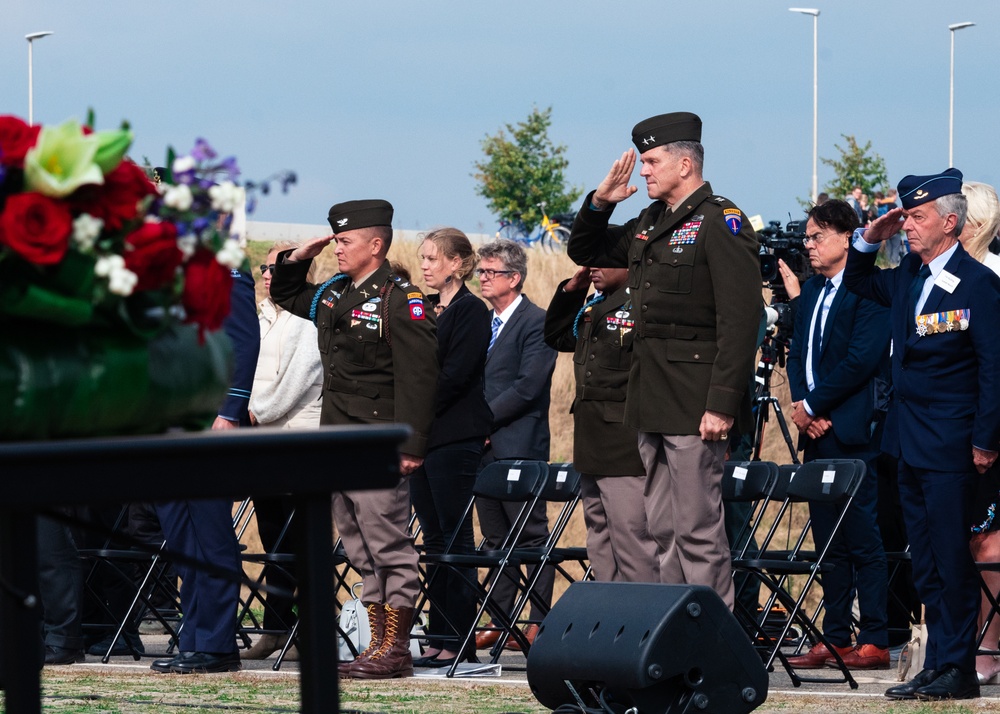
x: 442, y: 486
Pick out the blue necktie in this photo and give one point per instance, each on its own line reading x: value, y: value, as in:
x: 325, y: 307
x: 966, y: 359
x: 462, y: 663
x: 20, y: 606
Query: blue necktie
x: 817, y: 342
x: 916, y: 287
x: 496, y: 331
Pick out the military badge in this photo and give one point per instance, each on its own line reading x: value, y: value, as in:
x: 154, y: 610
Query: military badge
x: 734, y: 219
x: 416, y: 307
x: 936, y: 323
x: 364, y: 316
x: 686, y: 234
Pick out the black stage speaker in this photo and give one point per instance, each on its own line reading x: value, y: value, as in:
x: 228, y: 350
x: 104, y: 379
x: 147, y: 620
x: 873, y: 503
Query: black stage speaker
x: 657, y: 648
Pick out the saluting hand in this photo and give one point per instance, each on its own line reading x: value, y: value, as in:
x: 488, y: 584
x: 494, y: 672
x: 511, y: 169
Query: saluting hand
x: 983, y: 459
x: 614, y: 188
x: 885, y: 226
x: 579, y: 281
x: 310, y: 249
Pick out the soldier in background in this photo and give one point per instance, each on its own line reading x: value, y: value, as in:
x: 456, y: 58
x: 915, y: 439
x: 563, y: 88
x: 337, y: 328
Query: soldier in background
x: 599, y: 330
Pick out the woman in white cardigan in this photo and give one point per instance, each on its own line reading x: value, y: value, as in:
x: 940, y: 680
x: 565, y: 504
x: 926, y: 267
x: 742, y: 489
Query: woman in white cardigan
x: 287, y: 393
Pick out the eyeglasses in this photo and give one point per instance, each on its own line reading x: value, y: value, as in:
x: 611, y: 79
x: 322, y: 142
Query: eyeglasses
x: 815, y: 239
x: 267, y: 268
x: 489, y: 273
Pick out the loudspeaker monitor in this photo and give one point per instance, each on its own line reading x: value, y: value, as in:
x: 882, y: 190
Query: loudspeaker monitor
x: 654, y: 648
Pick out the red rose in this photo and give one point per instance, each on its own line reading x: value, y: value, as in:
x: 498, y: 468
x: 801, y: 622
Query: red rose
x: 207, y: 284
x: 151, y: 253
x: 117, y: 199
x: 16, y: 138
x: 36, y: 227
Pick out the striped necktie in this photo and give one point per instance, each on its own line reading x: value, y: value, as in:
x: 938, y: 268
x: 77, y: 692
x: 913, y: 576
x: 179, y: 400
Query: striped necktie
x: 497, y: 322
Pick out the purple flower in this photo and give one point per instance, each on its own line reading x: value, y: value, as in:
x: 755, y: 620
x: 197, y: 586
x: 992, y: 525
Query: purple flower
x: 229, y: 166
x: 202, y: 151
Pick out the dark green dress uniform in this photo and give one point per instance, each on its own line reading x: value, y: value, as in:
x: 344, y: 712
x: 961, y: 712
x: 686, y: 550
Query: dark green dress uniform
x: 696, y: 294
x: 605, y: 450
x: 378, y: 346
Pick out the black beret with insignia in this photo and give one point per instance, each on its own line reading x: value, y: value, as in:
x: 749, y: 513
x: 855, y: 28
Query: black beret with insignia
x: 665, y: 129
x: 915, y: 190
x: 351, y: 215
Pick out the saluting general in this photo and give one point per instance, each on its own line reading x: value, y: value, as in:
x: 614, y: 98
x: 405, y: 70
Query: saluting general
x: 944, y: 420
x: 378, y: 346
x: 696, y: 300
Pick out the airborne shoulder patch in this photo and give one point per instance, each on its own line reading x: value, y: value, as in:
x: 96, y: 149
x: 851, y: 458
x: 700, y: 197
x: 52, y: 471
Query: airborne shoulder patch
x: 734, y: 219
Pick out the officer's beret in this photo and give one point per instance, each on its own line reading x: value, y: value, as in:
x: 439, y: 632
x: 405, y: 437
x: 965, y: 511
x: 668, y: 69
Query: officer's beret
x: 915, y: 190
x: 665, y: 129
x: 351, y: 215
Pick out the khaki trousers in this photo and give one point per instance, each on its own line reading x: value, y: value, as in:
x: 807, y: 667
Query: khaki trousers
x: 618, y: 543
x: 373, y: 527
x: 684, y: 510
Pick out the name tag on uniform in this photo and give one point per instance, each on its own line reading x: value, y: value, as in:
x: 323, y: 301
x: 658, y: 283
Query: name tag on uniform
x: 947, y: 281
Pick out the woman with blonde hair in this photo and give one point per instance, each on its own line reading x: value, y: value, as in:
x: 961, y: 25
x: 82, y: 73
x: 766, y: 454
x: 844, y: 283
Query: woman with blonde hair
x: 979, y: 238
x: 442, y: 486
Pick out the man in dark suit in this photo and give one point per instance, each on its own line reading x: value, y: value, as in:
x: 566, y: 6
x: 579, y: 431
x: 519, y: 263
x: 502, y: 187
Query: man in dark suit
x: 694, y: 278
x: 944, y: 420
x: 599, y: 331
x: 518, y: 378
x: 840, y: 345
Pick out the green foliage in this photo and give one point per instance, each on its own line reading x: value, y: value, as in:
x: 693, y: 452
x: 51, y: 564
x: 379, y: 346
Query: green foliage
x: 524, y: 169
x: 855, y: 167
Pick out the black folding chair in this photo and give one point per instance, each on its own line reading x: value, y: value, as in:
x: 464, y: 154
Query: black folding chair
x: 519, y: 482
x: 827, y: 481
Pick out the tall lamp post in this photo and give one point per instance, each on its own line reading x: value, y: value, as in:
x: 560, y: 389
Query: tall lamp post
x: 31, y: 100
x: 951, y: 97
x: 815, y: 16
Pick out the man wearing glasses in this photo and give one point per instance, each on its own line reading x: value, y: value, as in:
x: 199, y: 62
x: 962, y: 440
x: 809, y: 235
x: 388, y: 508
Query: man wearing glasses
x: 518, y: 378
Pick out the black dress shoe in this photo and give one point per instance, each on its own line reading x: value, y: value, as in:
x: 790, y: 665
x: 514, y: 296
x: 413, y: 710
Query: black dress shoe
x: 906, y: 691
x: 206, y: 663
x: 164, y: 665
x: 121, y: 648
x: 952, y: 683
x: 61, y: 655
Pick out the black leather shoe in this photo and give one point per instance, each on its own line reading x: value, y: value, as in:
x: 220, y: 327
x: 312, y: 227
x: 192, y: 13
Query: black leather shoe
x: 61, y: 655
x: 906, y: 691
x: 206, y: 663
x: 164, y: 665
x: 952, y: 683
x: 121, y: 648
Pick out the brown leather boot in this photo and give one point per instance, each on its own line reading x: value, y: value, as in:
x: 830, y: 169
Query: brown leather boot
x: 376, y: 621
x: 394, y: 659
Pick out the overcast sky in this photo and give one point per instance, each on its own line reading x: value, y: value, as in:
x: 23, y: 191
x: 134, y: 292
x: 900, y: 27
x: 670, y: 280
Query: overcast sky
x: 391, y: 99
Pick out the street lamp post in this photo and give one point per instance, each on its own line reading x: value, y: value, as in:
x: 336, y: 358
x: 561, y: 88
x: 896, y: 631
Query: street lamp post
x: 815, y: 16
x: 951, y: 94
x: 31, y: 101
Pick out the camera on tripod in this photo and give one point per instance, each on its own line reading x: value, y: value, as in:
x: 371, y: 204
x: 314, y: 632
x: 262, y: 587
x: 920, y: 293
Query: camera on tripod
x: 787, y: 245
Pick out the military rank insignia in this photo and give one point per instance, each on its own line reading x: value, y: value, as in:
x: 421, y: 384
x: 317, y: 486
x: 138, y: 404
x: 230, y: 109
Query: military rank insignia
x: 733, y: 219
x: 686, y: 234
x: 936, y: 323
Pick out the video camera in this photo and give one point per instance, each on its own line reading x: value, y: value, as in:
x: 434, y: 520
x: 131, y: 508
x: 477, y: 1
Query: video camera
x: 787, y: 245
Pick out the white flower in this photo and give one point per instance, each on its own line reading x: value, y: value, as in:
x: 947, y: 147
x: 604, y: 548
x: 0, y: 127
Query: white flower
x: 106, y: 264
x: 231, y: 255
x: 183, y: 164
x: 179, y: 197
x: 86, y: 229
x: 187, y: 244
x: 121, y: 280
x: 226, y: 196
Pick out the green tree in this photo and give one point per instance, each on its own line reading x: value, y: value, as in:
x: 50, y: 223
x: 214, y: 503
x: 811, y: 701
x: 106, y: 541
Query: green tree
x: 855, y: 167
x: 524, y: 170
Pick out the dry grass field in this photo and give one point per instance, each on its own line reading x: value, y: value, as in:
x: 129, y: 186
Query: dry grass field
x: 545, y: 272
